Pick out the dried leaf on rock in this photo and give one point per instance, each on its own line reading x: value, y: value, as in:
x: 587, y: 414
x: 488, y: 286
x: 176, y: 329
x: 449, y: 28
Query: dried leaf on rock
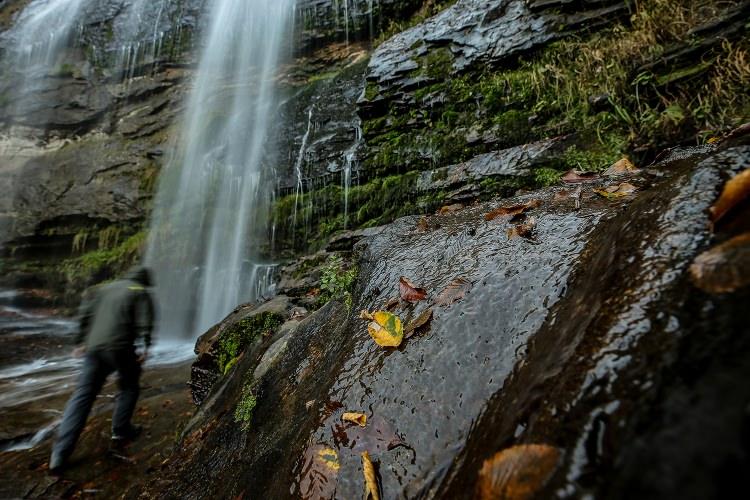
x: 512, y: 210
x: 451, y: 208
x: 623, y: 166
x: 518, y: 473
x: 409, y: 291
x: 736, y: 190
x: 725, y: 267
x: 618, y: 191
x: 319, y: 472
x: 385, y: 328
x: 575, y: 176
x: 356, y: 418
x: 392, y: 304
x: 418, y: 323
x: 371, y: 478
x: 423, y: 225
x: 453, y: 292
x: 525, y: 230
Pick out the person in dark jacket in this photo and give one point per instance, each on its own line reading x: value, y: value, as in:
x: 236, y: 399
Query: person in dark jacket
x: 113, y: 317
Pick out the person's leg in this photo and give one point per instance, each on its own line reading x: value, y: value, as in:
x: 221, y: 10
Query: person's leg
x: 129, y: 372
x: 90, y: 382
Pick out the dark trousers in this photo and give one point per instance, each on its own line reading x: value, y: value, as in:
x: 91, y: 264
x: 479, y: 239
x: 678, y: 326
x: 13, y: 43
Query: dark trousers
x: 97, y: 365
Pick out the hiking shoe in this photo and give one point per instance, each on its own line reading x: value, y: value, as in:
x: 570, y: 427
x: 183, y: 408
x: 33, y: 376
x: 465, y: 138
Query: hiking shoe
x: 56, y: 464
x: 129, y: 434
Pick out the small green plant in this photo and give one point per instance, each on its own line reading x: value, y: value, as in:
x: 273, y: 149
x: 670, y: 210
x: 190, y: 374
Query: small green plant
x: 235, y: 339
x: 243, y: 413
x: 337, y: 281
x: 547, y: 176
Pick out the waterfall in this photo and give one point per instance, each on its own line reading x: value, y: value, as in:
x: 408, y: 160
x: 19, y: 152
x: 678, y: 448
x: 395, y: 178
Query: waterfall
x: 38, y: 39
x: 350, y: 161
x: 211, y: 206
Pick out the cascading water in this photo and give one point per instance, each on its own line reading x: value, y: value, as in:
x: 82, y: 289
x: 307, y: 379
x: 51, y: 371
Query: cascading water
x: 210, y: 209
x: 37, y: 41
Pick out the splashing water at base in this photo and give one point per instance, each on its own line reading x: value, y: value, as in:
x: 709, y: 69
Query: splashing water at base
x: 210, y: 210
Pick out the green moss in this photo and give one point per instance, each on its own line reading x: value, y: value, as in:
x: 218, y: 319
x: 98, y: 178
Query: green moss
x: 104, y: 262
x: 237, y: 337
x: 372, y: 90
x: 545, y: 176
x: 337, y: 281
x: 437, y: 63
x: 243, y: 412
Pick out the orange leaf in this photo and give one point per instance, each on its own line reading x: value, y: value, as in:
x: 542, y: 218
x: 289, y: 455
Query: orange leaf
x: 724, y: 268
x: 409, y: 291
x: 451, y: 208
x: 512, y: 210
x: 524, y: 230
x: 518, y: 473
x: 735, y: 191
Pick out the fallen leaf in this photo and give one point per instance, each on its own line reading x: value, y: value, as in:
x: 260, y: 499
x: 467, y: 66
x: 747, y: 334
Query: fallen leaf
x: 356, y: 418
x: 319, y: 472
x: 512, y: 210
x: 725, y: 267
x: 453, y: 292
x: 409, y: 291
x: 518, y: 473
x: 713, y: 140
x: 623, y: 166
x: 392, y: 303
x: 385, y: 328
x: 735, y: 191
x: 418, y: 323
x: 575, y: 176
x: 379, y: 435
x: 618, y: 191
x: 371, y: 478
x: 423, y: 225
x: 451, y: 208
x: 525, y: 230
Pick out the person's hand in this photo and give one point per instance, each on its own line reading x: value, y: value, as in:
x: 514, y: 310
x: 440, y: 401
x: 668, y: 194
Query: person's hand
x: 79, y: 351
x: 142, y: 358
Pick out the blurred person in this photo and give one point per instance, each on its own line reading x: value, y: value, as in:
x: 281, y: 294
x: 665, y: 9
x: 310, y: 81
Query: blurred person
x: 113, y: 318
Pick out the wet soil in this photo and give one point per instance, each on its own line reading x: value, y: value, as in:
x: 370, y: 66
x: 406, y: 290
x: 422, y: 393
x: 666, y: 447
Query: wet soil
x: 94, y: 472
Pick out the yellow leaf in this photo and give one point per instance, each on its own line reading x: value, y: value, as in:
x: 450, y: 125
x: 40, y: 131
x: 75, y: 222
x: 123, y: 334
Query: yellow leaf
x: 371, y: 479
x: 385, y: 328
x: 356, y: 418
x: 330, y: 458
x: 735, y: 191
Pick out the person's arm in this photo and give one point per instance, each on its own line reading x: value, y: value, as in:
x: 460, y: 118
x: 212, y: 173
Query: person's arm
x: 85, y: 316
x: 144, y: 319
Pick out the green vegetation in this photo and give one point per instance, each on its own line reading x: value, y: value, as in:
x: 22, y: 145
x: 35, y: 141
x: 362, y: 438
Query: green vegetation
x: 337, y: 281
x: 113, y: 257
x: 243, y: 413
x: 429, y: 8
x: 237, y: 337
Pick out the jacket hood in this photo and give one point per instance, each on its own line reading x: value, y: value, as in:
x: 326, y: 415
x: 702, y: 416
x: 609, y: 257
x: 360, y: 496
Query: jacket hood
x: 140, y: 274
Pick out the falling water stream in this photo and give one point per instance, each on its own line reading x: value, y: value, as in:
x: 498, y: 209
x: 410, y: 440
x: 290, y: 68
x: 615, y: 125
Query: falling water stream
x: 210, y: 209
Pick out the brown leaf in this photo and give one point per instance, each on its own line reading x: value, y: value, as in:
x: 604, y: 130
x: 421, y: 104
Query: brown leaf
x: 623, y: 166
x: 575, y: 176
x: 525, y: 230
x: 735, y: 191
x: 409, y: 291
x: 392, y: 304
x: 423, y: 225
x: 725, y: 267
x: 518, y: 473
x: 453, y: 292
x: 371, y: 477
x: 512, y: 210
x: 451, y: 208
x: 418, y: 323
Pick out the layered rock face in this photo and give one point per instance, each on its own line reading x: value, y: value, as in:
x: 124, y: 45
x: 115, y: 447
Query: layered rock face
x: 572, y: 334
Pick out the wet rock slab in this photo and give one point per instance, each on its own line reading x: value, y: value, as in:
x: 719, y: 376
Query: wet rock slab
x: 436, y: 406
